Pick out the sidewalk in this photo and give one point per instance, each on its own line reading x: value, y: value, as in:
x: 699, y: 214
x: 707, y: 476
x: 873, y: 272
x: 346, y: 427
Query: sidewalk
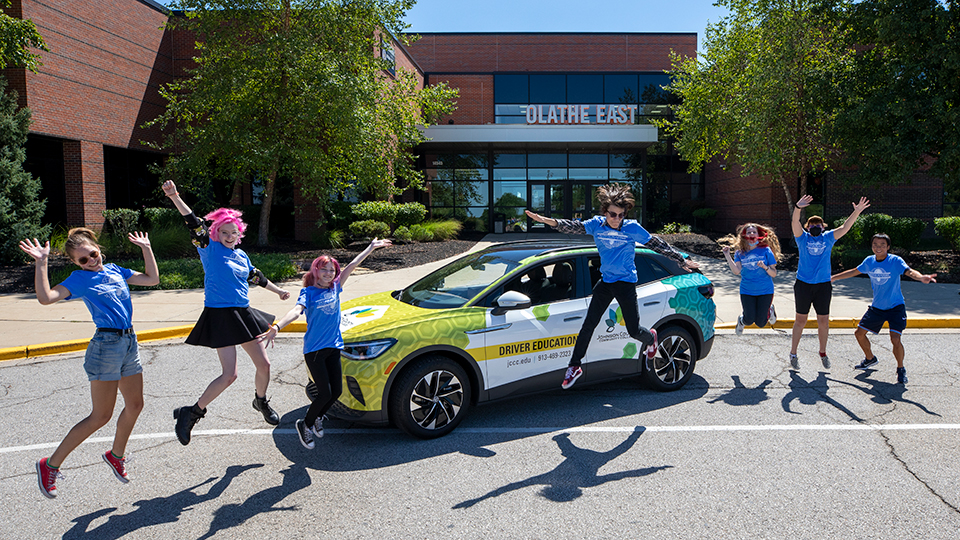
x: 29, y: 329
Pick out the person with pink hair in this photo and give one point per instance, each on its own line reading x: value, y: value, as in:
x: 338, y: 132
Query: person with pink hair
x: 320, y: 298
x: 227, y: 319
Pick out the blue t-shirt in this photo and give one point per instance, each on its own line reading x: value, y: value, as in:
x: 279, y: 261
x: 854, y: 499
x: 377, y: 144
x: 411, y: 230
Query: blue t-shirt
x: 225, y: 273
x: 322, y: 307
x: 105, y: 293
x: 617, y: 247
x: 885, y: 279
x: 754, y: 281
x: 814, y: 266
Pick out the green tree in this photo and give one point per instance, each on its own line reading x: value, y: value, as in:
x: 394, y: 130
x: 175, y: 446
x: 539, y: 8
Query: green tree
x: 900, y: 109
x: 760, y: 96
x: 21, y: 207
x: 297, y: 88
x: 17, y: 37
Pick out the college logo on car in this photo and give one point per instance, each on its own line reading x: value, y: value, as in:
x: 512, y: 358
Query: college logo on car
x: 502, y: 323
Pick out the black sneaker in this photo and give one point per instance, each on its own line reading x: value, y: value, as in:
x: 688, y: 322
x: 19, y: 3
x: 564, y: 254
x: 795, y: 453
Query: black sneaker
x: 305, y: 434
x: 867, y: 363
x: 901, y: 375
x: 262, y: 404
x: 187, y: 417
x: 318, y: 428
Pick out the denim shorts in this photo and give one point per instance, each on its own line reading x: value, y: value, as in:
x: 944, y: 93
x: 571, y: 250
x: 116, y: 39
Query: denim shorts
x: 111, y: 357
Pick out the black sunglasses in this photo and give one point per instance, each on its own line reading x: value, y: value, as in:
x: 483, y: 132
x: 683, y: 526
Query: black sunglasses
x: 616, y: 216
x: 83, y: 260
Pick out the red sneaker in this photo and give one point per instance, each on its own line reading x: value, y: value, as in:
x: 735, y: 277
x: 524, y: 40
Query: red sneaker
x: 47, y: 477
x: 652, y: 349
x: 573, y: 373
x: 117, y: 465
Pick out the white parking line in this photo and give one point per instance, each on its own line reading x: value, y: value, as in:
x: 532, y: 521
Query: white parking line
x: 525, y: 431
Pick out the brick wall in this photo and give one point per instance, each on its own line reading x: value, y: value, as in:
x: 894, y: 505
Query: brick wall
x: 83, y: 182
x: 921, y: 197
x: 475, y: 103
x: 741, y: 199
x: 471, y: 53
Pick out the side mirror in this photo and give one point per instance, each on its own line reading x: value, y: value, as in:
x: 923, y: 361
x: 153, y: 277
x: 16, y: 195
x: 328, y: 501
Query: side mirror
x: 511, y: 300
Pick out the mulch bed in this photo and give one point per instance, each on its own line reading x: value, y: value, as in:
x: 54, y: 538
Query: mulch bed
x: 945, y: 263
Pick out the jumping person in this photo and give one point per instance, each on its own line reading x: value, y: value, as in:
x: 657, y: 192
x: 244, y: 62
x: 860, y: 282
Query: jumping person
x: 615, y: 238
x: 227, y: 319
x: 320, y: 298
x: 813, y: 285
x: 755, y: 261
x: 112, y: 360
x: 888, y: 306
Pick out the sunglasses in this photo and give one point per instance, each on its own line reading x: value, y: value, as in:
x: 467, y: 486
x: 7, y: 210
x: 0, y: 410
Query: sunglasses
x: 83, y: 260
x: 616, y: 216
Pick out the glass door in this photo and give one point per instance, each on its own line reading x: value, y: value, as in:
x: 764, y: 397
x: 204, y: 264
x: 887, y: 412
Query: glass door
x: 549, y: 199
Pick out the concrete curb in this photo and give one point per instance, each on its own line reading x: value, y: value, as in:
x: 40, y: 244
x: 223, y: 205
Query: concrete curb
x: 945, y: 322
x: 157, y: 334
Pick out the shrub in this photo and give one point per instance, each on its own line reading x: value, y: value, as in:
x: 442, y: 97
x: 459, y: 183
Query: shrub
x: 402, y: 234
x: 904, y: 232
x: 443, y: 230
x: 370, y: 228
x: 949, y: 229
x: 275, y: 266
x: 170, y: 241
x: 121, y: 221
x: 162, y: 217
x: 381, y: 211
x: 419, y: 233
x: 339, y: 215
x: 705, y: 214
x: 410, y: 213
x: 674, y: 228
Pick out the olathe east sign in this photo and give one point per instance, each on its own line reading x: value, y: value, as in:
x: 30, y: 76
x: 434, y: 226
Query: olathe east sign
x: 581, y: 114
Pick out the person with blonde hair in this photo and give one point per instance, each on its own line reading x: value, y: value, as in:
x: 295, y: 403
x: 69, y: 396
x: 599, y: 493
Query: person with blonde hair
x: 616, y: 238
x: 813, y: 287
x: 112, y: 359
x: 755, y: 261
x: 227, y: 319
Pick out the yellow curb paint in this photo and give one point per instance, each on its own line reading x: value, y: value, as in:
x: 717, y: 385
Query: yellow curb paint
x: 12, y: 353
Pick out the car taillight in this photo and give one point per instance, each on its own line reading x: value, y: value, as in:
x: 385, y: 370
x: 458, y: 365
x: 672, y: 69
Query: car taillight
x: 706, y: 290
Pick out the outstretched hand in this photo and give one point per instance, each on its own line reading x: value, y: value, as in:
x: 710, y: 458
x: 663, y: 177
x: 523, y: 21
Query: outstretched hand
x: 34, y: 249
x: 380, y: 243
x: 928, y: 278
x: 691, y: 265
x: 138, y: 238
x: 862, y: 205
x: 267, y: 337
x: 534, y: 216
x: 283, y: 294
x: 805, y: 201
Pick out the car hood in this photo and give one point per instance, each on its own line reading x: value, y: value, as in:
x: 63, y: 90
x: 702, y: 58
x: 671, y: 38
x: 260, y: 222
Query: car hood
x: 381, y: 315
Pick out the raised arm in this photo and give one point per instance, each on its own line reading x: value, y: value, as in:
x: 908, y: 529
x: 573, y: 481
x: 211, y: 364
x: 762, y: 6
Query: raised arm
x: 540, y: 219
x: 795, y: 221
x: 151, y: 273
x: 170, y: 190
x: 348, y: 269
x: 660, y: 246
x: 845, y: 274
x: 858, y: 208
x: 40, y: 253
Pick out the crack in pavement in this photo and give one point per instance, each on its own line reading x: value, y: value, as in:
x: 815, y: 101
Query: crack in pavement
x: 906, y: 467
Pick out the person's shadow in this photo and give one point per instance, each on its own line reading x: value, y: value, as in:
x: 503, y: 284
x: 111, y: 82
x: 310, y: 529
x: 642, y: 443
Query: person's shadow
x: 152, y: 512
x: 579, y: 470
x: 883, y: 392
x: 740, y: 395
x: 810, y: 394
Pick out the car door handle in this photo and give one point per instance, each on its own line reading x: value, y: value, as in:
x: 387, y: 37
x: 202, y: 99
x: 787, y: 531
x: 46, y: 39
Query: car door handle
x: 645, y: 304
x: 489, y: 329
x: 568, y: 319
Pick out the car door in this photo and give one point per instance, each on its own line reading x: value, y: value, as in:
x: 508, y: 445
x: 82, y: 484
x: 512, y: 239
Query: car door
x: 612, y: 352
x: 527, y: 350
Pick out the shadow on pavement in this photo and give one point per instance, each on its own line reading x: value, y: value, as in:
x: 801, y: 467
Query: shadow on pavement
x: 740, y: 395
x: 883, y: 392
x: 811, y: 393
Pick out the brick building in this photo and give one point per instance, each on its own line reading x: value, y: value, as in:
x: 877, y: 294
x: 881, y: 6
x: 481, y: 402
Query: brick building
x: 542, y: 119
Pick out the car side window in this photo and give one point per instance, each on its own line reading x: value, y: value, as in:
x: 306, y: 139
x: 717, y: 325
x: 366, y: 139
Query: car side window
x: 648, y: 270
x: 552, y: 282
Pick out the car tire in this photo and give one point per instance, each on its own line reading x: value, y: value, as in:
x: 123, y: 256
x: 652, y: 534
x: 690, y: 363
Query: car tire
x: 675, y: 361
x: 311, y: 390
x: 430, y: 397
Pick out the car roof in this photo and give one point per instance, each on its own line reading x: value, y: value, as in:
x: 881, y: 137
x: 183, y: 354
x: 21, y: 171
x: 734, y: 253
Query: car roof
x: 541, y: 247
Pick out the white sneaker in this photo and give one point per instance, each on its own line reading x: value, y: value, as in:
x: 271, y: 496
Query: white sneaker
x: 772, y: 315
x: 740, y: 325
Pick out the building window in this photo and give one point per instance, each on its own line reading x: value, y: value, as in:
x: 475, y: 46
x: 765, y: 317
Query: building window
x: 388, y: 55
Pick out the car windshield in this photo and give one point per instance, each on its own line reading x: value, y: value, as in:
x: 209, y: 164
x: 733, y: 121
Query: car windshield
x: 460, y: 281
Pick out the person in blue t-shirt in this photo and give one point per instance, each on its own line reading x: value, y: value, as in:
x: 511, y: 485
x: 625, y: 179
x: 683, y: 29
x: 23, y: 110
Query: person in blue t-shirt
x: 227, y: 319
x: 888, y: 306
x: 813, y: 273
x: 112, y: 360
x: 322, y: 343
x: 616, y: 240
x: 755, y: 261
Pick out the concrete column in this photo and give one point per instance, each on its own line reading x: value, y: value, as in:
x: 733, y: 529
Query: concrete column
x: 85, y: 183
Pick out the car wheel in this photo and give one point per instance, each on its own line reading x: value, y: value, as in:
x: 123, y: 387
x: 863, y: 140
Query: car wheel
x: 311, y: 390
x: 430, y: 397
x: 676, y: 358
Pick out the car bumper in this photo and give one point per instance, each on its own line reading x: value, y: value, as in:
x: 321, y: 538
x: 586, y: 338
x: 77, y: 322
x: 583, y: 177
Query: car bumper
x: 707, y: 346
x: 343, y: 412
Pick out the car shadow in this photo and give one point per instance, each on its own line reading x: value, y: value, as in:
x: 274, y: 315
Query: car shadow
x: 579, y: 470
x: 151, y: 512
x: 485, y: 426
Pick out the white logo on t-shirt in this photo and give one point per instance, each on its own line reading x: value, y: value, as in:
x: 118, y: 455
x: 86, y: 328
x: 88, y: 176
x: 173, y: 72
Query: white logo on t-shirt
x: 111, y: 285
x: 612, y: 239
x: 879, y: 276
x: 816, y: 248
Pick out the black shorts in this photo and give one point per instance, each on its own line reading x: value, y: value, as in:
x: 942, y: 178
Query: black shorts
x: 222, y: 327
x: 874, y: 318
x: 817, y: 294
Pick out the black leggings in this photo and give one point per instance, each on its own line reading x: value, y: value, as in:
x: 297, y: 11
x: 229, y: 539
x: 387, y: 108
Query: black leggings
x: 756, y: 309
x: 603, y: 294
x: 324, y: 366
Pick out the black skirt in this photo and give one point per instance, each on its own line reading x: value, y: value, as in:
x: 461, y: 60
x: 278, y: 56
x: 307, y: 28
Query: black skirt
x: 223, y: 327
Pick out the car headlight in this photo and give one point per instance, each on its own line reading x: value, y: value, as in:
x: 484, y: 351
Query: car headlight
x: 367, y: 350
